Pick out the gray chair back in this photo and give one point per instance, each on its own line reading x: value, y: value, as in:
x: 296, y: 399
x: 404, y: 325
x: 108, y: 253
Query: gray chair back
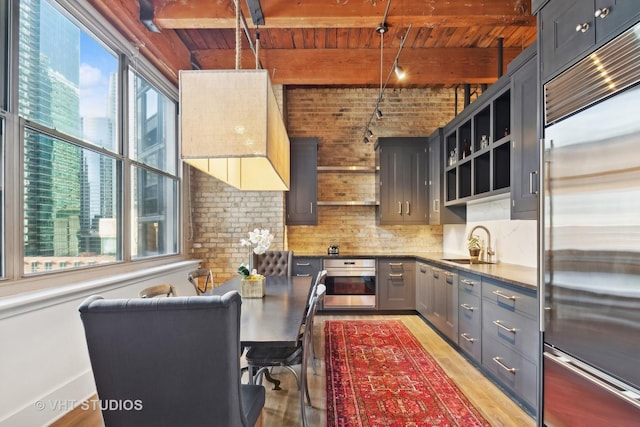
x: 274, y: 263
x: 176, y: 360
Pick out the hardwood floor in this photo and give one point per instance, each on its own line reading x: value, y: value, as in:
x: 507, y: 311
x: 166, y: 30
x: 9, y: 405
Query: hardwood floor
x: 282, y: 407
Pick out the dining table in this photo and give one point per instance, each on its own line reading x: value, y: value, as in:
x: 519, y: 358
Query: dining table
x: 274, y: 319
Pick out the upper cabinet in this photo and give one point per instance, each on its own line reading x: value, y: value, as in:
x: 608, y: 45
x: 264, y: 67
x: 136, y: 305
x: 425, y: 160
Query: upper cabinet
x: 570, y: 28
x: 525, y: 153
x: 402, y: 181
x: 477, y: 145
x: 438, y: 213
x: 302, y: 197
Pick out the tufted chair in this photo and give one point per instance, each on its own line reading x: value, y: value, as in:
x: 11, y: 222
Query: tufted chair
x: 274, y: 263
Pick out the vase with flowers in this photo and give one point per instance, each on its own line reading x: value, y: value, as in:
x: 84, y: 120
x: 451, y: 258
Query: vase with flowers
x: 258, y: 243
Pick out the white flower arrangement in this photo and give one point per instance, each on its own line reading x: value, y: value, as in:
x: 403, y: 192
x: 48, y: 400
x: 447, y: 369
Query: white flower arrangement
x: 261, y: 238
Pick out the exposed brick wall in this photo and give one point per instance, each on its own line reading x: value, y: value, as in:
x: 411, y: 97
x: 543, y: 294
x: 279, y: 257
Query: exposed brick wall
x: 222, y: 215
x: 337, y: 117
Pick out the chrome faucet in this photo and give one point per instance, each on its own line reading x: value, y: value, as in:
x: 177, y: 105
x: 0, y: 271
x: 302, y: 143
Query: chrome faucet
x: 489, y: 252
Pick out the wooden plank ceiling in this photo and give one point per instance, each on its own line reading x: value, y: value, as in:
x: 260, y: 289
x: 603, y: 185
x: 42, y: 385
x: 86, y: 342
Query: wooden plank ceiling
x: 334, y: 42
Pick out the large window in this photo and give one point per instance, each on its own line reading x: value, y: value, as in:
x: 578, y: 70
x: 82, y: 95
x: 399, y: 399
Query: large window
x: 74, y: 151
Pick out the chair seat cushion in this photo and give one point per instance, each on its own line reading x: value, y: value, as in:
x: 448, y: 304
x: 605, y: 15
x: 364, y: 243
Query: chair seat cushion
x: 273, y: 356
x: 253, y: 397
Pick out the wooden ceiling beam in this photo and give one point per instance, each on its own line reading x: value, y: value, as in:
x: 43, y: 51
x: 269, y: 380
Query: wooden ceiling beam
x: 361, y: 67
x: 349, y: 14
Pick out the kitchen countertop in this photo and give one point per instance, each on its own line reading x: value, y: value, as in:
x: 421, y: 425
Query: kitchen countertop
x: 517, y: 275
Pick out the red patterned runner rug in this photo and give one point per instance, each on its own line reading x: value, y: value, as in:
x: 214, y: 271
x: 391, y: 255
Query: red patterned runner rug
x: 378, y: 374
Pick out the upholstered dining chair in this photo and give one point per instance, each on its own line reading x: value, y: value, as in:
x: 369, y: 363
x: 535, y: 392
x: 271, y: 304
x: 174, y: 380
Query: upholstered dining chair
x: 154, y: 356
x: 274, y: 263
x: 201, y: 279
x: 261, y: 359
x: 158, y: 291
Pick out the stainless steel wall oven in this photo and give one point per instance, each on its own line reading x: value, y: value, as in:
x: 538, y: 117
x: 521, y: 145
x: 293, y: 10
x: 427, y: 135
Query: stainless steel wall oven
x: 351, y: 283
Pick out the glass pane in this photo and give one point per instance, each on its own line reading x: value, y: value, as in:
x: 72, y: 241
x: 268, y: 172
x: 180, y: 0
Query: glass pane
x: 71, y: 210
x: 67, y: 80
x: 4, y: 51
x: 155, y: 214
x: 2, y: 245
x: 152, y: 128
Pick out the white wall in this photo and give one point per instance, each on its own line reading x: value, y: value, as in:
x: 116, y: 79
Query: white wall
x: 514, y: 241
x: 44, y: 364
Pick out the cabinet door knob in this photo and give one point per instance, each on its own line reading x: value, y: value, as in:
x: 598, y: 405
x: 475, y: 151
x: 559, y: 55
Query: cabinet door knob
x: 601, y: 13
x: 582, y: 28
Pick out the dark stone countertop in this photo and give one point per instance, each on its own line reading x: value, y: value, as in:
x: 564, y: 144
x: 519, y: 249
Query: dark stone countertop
x: 517, y: 275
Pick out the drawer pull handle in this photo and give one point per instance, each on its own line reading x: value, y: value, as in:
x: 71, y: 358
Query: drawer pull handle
x: 395, y: 275
x: 467, y: 337
x: 303, y: 264
x: 582, y: 28
x: 601, y: 13
x: 500, y: 363
x: 500, y: 294
x: 500, y: 325
x: 468, y: 282
x: 466, y: 307
x: 395, y: 264
x: 423, y: 270
x: 303, y: 275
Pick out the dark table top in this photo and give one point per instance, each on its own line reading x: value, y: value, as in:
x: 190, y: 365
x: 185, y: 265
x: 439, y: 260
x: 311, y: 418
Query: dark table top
x: 275, y: 319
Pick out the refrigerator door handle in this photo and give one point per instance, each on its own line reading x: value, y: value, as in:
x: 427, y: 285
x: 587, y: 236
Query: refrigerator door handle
x: 568, y: 363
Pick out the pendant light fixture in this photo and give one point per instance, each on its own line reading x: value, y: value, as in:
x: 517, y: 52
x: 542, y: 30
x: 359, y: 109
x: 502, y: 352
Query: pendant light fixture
x: 232, y: 127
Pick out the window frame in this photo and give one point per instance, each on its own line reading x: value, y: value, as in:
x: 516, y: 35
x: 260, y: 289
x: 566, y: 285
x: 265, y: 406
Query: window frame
x: 16, y: 280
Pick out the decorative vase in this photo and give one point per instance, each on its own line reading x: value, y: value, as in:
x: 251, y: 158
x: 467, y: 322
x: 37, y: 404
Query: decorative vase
x: 474, y: 253
x: 252, y: 288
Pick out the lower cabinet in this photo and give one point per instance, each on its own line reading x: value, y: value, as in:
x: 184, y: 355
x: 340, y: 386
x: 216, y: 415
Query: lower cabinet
x: 445, y: 302
x: 510, y: 339
x: 424, y: 289
x: 306, y: 266
x: 396, y: 284
x: 469, y: 315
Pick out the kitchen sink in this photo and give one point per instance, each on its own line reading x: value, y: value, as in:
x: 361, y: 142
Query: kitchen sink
x: 464, y: 261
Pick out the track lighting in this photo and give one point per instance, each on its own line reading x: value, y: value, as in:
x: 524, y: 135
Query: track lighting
x: 378, y: 114
x: 369, y: 133
x: 400, y: 73
x: 365, y: 140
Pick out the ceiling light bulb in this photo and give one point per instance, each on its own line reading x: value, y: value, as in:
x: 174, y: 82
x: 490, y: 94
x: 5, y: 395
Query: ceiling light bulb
x: 400, y: 73
x: 378, y: 114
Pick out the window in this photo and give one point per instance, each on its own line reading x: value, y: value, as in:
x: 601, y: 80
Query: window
x: 79, y: 172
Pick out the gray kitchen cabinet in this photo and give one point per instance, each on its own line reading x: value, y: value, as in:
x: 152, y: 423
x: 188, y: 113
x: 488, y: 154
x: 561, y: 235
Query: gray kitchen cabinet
x: 445, y: 302
x: 470, y: 315
x: 510, y: 339
x: 568, y: 29
x: 302, y: 197
x: 524, y: 139
x: 306, y: 266
x: 438, y: 212
x: 402, y: 181
x: 424, y: 289
x: 396, y: 284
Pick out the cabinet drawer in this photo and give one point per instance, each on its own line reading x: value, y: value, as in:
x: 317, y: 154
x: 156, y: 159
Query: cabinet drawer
x: 511, y: 369
x: 303, y: 266
x: 510, y: 298
x: 513, y: 330
x: 469, y: 283
x: 470, y: 325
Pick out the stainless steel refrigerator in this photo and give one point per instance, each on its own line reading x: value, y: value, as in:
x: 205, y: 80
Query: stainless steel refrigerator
x: 590, y: 304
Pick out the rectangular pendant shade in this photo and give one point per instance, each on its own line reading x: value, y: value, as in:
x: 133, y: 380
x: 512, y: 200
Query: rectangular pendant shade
x: 232, y: 128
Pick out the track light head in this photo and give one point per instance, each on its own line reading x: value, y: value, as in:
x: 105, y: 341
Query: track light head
x: 378, y: 114
x: 365, y: 140
x: 400, y: 72
x: 382, y: 28
x: 368, y: 133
